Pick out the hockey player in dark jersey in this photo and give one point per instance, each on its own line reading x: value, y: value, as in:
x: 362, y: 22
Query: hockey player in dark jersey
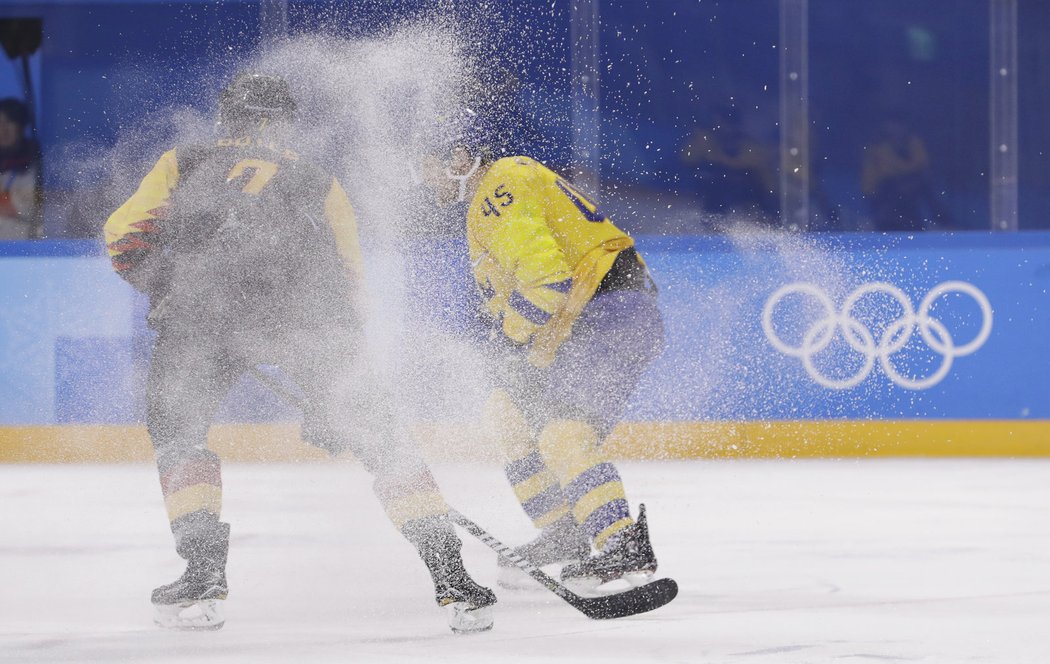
x: 575, y: 326
x: 249, y: 255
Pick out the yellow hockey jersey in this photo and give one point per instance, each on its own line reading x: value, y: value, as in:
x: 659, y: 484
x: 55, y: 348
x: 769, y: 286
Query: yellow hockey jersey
x: 539, y: 250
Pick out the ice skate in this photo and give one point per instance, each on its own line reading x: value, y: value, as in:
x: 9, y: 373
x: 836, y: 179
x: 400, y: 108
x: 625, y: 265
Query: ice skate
x: 194, y: 600
x: 628, y: 556
x: 468, y: 605
x: 559, y: 543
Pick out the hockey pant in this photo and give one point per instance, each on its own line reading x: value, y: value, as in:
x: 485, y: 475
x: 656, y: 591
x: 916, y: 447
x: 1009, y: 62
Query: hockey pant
x: 551, y: 432
x: 343, y: 408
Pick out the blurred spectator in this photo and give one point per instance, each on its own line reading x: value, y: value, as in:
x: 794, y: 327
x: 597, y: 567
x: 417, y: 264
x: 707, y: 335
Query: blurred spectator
x: 896, y: 180
x: 737, y: 172
x: 19, y: 203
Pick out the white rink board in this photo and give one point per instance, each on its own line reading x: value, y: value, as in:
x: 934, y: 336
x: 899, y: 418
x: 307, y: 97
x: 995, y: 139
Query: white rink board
x: 778, y: 562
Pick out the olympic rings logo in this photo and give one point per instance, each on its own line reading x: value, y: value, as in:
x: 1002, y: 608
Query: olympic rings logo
x: 895, y: 336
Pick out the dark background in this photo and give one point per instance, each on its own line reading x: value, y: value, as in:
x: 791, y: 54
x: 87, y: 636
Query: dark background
x: 667, y: 66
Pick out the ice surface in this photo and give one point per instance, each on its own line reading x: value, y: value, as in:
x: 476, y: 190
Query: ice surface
x: 778, y: 561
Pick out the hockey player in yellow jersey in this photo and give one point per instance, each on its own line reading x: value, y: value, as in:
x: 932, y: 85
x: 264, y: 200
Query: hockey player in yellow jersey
x: 575, y: 325
x: 249, y: 255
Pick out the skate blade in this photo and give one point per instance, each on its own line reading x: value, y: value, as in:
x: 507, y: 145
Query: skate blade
x: 636, y: 579
x: 593, y: 586
x: 513, y: 578
x: 584, y: 586
x: 203, y: 615
x: 463, y: 619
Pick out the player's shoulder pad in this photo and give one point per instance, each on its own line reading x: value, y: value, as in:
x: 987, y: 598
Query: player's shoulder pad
x: 189, y: 156
x: 513, y: 162
x: 513, y: 166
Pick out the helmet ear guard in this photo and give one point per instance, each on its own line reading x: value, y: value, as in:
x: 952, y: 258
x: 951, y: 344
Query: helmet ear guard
x: 255, y: 100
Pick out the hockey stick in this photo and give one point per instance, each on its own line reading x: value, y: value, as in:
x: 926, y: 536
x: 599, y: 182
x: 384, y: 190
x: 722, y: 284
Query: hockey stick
x: 618, y: 605
x: 645, y: 598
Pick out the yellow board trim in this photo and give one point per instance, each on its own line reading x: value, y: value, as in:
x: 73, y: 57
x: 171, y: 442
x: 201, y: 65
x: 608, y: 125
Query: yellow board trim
x: 831, y: 439
x: 280, y: 442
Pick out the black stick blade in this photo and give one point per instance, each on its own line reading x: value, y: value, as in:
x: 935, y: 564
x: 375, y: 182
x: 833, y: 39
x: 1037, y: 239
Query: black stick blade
x: 628, y: 603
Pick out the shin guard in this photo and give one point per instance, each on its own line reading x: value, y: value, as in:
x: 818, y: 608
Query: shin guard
x: 590, y: 483
x: 535, y: 485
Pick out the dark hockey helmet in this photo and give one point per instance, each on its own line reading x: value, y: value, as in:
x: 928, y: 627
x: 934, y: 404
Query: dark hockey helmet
x: 254, y: 99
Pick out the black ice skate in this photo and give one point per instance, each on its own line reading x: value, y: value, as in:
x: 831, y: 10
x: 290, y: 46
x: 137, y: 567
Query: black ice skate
x: 559, y: 543
x: 194, y: 600
x: 628, y: 556
x: 468, y: 604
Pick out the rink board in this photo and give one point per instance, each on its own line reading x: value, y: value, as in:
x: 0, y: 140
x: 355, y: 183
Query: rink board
x: 634, y: 441
x: 777, y: 345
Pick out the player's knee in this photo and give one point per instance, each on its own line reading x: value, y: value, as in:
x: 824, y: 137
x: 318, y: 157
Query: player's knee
x: 565, y: 439
x: 508, y: 426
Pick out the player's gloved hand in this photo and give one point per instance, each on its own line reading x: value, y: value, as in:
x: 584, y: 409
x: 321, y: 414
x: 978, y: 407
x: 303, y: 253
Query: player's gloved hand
x: 545, y: 344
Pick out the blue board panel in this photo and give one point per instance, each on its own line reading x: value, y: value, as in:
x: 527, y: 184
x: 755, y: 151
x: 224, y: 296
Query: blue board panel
x: 982, y: 354
x: 44, y: 299
x: 759, y: 327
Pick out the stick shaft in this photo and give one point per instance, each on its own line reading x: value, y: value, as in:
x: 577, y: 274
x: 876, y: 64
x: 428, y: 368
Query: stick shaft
x: 521, y: 563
